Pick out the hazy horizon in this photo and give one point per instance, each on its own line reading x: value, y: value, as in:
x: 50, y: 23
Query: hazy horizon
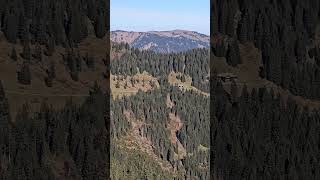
x: 127, y: 30
x: 165, y: 15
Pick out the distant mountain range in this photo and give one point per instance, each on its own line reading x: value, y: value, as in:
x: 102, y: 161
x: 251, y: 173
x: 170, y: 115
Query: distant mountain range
x: 162, y: 41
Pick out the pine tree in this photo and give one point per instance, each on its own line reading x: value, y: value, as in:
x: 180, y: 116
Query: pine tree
x: 214, y: 17
x: 52, y: 70
x: 233, y: 54
x: 49, y: 47
x: 37, y: 52
x: 258, y: 35
x: 183, y: 78
x: 48, y: 81
x: 234, y: 91
x: 51, y: 74
x: 117, y: 84
x: 26, y: 54
x: 243, y: 29
x: 90, y: 61
x: 2, y: 93
x: 92, y: 9
x: 100, y: 24
x: 11, y: 25
x: 24, y: 75
x: 74, y: 25
x: 220, y: 49
x: 14, y: 54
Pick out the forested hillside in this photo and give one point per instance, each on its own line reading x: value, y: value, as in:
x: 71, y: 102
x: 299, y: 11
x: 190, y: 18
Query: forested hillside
x: 52, y: 49
x: 263, y: 124
x: 262, y: 135
x: 286, y: 33
x: 169, y: 124
x: 54, y: 109
x: 52, y: 21
x: 194, y: 63
x: 70, y: 143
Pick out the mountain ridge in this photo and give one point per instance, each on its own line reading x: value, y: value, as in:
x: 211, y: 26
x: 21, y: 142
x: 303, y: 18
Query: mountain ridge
x: 162, y: 41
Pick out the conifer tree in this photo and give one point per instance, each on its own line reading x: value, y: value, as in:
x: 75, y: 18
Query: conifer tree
x: 14, y: 54
x: 37, y: 52
x: 26, y: 53
x: 100, y: 23
x: 24, y: 75
x: 11, y: 25
x: 233, y: 54
x: 49, y: 47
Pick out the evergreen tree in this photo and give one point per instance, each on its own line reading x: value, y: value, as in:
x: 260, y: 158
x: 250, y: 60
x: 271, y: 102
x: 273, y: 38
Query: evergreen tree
x: 26, y: 54
x: 100, y: 23
x: 37, y: 52
x: 11, y: 25
x: 14, y: 54
x: 233, y: 54
x: 49, y: 47
x: 24, y: 75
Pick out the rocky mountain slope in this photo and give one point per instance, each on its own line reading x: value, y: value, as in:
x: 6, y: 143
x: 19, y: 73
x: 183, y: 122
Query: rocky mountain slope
x: 162, y: 41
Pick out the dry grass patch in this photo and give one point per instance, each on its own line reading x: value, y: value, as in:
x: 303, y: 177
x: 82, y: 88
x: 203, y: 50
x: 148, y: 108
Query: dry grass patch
x: 63, y: 86
x: 175, y: 125
x: 183, y: 86
x: 130, y: 85
x: 248, y: 73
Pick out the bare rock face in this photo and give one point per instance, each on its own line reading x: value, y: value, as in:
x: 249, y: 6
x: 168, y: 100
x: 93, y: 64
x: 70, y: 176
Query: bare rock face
x: 162, y: 41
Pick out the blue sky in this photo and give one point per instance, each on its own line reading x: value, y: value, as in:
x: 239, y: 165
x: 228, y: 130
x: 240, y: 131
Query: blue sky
x: 148, y: 15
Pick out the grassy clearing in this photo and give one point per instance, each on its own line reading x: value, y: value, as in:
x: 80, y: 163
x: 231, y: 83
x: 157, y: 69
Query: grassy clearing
x: 203, y: 148
x: 248, y: 73
x: 63, y: 86
x: 173, y: 80
x: 123, y: 86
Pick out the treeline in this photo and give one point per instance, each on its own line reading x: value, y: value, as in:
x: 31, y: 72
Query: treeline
x: 282, y: 30
x: 74, y: 61
x: 190, y: 107
x: 56, y: 144
x: 262, y: 135
x: 61, y: 21
x: 194, y: 63
x: 41, y: 25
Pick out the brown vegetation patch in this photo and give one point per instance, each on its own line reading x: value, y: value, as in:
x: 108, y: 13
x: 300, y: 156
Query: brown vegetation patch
x: 248, y: 73
x: 174, y: 126
x: 124, y: 86
x: 134, y: 139
x: 183, y: 86
x: 63, y: 86
x: 169, y: 103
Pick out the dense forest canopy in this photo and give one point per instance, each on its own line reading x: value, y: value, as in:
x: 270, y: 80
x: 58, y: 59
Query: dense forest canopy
x: 60, y: 21
x: 284, y: 31
x: 56, y: 144
x: 194, y: 63
x: 261, y: 133
x: 191, y: 108
x: 68, y: 142
x: 188, y: 157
